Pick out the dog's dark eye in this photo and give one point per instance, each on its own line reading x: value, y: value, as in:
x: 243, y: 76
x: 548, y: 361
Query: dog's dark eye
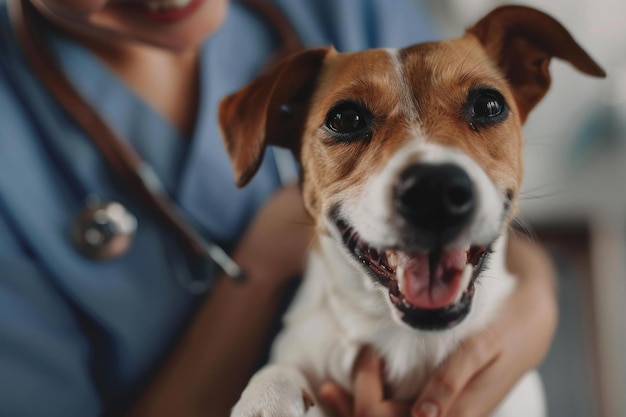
x: 347, y: 120
x: 485, y: 107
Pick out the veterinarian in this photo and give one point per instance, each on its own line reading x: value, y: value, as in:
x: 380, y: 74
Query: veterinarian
x: 106, y: 305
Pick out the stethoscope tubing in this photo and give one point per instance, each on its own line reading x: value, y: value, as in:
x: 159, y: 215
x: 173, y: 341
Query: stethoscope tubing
x: 117, y: 153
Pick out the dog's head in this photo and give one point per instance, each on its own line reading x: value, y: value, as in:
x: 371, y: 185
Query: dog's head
x: 411, y: 158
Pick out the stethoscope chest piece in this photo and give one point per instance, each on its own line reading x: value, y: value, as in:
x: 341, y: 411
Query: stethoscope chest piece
x: 104, y: 230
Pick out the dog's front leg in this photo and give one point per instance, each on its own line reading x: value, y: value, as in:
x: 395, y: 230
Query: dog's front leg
x: 275, y: 391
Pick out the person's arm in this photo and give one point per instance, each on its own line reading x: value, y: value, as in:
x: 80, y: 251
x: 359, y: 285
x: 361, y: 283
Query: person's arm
x: 217, y: 355
x: 483, y: 369
x: 368, y: 396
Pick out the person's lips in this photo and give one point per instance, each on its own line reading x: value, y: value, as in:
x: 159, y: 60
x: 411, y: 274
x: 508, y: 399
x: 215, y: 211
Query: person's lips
x: 159, y: 11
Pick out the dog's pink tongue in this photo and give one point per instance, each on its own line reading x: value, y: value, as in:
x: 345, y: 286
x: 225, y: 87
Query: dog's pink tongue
x: 439, y: 291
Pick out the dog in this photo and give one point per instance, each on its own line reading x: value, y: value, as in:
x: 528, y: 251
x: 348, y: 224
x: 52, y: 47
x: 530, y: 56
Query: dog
x: 411, y: 169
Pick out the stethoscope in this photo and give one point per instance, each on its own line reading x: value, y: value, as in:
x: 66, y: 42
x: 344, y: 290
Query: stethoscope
x: 105, y: 229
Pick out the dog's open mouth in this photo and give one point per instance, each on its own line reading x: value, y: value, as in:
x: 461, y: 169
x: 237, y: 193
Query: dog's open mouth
x: 431, y: 290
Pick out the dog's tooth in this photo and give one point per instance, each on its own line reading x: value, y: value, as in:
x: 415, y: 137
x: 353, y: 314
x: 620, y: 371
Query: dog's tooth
x: 465, y: 280
x: 392, y: 259
x: 400, y: 276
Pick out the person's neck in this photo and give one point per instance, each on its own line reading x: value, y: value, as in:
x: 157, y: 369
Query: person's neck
x: 168, y: 81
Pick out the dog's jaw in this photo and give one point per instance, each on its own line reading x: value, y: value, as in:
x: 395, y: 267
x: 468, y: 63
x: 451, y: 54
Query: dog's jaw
x: 387, y: 271
x: 383, y: 247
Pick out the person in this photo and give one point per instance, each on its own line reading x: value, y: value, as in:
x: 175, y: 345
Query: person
x: 124, y: 336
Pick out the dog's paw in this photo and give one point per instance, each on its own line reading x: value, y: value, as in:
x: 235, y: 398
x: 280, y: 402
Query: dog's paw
x: 273, y: 394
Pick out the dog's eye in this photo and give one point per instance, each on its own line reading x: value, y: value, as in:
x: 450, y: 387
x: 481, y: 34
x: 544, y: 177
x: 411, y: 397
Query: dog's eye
x: 347, y: 120
x: 485, y: 107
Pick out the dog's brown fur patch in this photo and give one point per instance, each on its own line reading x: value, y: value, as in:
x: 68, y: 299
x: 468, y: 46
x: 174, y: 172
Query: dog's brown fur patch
x: 438, y: 78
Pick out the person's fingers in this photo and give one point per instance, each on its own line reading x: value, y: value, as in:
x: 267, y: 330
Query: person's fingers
x: 368, y: 381
x: 471, y: 357
x: 521, y: 349
x: 369, y: 389
x: 340, y: 403
x: 335, y: 398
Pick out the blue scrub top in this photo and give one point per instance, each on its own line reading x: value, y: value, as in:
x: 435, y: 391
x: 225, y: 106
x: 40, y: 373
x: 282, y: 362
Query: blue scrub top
x: 77, y: 336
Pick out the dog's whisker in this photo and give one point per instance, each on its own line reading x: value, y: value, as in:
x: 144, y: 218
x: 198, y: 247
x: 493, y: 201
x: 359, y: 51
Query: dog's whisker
x: 484, y: 277
x: 532, y: 197
x: 546, y: 190
x: 522, y: 227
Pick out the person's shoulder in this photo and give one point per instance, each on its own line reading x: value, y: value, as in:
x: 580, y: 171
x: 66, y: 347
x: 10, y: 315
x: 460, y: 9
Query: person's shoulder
x: 9, y: 51
x: 352, y: 25
x: 12, y: 109
x: 6, y: 31
x: 4, y: 7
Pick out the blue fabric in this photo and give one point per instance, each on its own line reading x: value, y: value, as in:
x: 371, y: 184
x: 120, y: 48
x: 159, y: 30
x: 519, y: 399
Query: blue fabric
x: 77, y: 336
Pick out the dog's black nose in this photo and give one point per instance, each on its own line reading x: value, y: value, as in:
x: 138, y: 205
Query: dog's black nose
x: 438, y: 200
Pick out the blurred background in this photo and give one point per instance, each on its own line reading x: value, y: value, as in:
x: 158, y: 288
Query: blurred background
x: 574, y: 201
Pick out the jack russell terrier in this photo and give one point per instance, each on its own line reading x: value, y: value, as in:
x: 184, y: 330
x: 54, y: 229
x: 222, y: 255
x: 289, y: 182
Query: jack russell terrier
x: 411, y: 169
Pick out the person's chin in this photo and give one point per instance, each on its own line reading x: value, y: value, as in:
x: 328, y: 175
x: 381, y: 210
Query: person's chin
x: 169, y: 40
x: 190, y: 32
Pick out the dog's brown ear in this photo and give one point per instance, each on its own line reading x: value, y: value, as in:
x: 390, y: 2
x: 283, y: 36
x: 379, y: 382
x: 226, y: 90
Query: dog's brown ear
x: 522, y: 40
x: 271, y: 110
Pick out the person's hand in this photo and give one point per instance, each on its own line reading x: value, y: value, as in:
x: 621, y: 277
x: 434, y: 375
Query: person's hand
x: 368, y: 398
x: 274, y: 245
x: 484, y: 368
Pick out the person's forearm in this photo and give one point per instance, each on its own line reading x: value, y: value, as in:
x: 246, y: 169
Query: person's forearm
x: 531, y: 264
x: 536, y: 293
x: 217, y: 354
